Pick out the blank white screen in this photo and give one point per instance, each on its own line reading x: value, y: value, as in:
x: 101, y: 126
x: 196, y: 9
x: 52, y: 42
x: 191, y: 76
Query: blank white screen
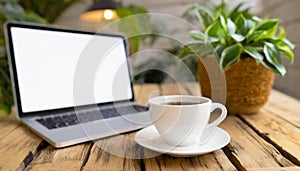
x: 46, y: 62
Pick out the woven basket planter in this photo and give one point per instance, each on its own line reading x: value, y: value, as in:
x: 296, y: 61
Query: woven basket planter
x: 248, y: 86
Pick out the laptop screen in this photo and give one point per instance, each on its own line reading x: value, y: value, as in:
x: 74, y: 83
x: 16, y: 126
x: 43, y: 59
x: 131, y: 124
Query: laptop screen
x: 46, y: 60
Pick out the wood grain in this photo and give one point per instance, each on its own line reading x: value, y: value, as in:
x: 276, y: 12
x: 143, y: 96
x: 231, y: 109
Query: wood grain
x: 295, y: 168
x: 212, y: 161
x: 147, y: 91
x: 70, y: 158
x: 137, y: 91
x: 249, y: 150
x: 192, y: 88
x: 115, y: 153
x: 18, y: 144
x: 269, y: 140
x: 285, y: 107
x: 8, y: 124
x: 174, y: 89
x: 285, y: 136
x: 120, y: 152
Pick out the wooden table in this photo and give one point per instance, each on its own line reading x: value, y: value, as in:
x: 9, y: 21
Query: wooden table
x: 269, y: 140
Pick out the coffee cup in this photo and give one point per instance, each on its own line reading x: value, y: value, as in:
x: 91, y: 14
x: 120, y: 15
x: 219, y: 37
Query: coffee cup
x: 182, y: 119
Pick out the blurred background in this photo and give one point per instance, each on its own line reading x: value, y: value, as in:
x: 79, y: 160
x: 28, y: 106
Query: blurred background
x: 72, y: 13
x: 286, y: 10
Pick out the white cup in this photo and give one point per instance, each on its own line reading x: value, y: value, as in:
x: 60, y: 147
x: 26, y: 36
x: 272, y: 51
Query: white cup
x: 183, y: 124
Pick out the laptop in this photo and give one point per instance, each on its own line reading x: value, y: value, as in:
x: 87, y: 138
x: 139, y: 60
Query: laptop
x: 72, y: 86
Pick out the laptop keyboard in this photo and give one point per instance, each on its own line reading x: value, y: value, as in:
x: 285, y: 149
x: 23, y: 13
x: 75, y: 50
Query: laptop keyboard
x: 83, y: 117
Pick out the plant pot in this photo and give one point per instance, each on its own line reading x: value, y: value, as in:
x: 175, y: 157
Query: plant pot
x: 248, y: 86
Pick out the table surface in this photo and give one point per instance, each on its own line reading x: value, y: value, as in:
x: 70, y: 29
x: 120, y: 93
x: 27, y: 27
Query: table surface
x: 268, y: 140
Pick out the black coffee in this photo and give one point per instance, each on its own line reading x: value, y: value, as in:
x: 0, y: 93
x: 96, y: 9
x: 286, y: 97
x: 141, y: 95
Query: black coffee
x: 182, y: 103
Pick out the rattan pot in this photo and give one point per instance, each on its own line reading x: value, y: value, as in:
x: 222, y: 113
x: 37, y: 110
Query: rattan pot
x: 248, y: 86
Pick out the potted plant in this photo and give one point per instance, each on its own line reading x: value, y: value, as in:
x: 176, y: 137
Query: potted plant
x: 249, y: 51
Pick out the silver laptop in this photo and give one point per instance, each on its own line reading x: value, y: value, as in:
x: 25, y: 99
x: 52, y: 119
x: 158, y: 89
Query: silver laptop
x: 72, y: 86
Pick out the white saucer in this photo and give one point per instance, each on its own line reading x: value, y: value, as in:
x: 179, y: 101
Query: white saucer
x: 149, y: 138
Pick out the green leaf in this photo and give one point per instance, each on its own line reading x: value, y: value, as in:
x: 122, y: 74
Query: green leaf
x: 241, y: 24
x: 213, y: 29
x: 33, y: 17
x: 273, y: 56
x: 272, y: 31
x: 184, y: 52
x: 230, y: 26
x: 223, y: 23
x: 290, y: 44
x: 4, y: 109
x: 268, y: 65
x: 197, y: 35
x: 213, y: 39
x: 280, y: 42
x: 204, y: 15
x: 287, y: 52
x: 253, y: 52
x: 256, y: 19
x: 219, y: 49
x: 254, y: 36
x: 263, y: 34
x: 240, y: 21
x: 272, y: 53
x: 246, y: 13
x: 230, y: 56
x: 134, y: 44
x: 250, y: 25
x: 282, y: 33
x: 2, y: 43
x: 132, y: 27
x: 222, y: 9
x: 3, y: 73
x: 283, y: 47
x: 197, y: 48
x: 123, y: 12
x: 236, y: 11
x: 238, y: 37
x: 267, y: 25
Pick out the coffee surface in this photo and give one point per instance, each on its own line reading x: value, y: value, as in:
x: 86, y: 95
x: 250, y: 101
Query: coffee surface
x: 182, y: 103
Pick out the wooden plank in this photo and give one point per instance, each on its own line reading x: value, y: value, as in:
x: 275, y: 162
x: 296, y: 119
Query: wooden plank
x: 69, y: 158
x: 285, y: 136
x: 115, y: 153
x: 8, y: 123
x: 285, y: 107
x: 295, y: 168
x: 216, y: 160
x: 74, y: 156
x: 18, y: 144
x: 193, y: 88
x: 174, y: 89
x: 12, y: 157
x: 249, y: 150
x: 147, y: 91
x: 137, y: 90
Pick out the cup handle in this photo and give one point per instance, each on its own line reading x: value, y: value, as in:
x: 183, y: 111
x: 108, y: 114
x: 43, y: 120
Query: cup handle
x: 210, y: 128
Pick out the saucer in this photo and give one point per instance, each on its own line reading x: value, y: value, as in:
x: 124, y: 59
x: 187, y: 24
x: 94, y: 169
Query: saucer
x: 150, y: 139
